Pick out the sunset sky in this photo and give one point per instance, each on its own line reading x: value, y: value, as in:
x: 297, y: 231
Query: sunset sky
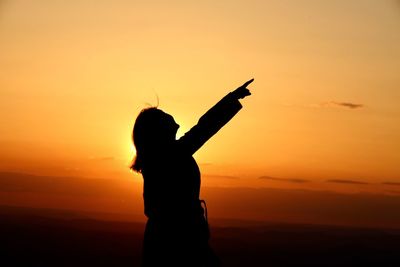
x: 324, y: 114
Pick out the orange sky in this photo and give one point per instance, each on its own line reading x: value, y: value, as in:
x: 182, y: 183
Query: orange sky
x: 325, y: 103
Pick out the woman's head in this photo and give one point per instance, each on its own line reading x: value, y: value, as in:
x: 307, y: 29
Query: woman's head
x: 153, y: 130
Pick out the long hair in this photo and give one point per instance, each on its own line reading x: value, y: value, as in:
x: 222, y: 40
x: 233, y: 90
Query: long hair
x: 148, y: 136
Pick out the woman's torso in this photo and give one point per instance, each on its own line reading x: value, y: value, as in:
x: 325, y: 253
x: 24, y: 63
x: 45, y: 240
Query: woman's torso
x: 172, y: 186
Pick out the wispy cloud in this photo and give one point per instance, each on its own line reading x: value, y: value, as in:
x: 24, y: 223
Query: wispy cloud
x: 394, y: 192
x: 328, y: 104
x: 291, y: 180
x: 391, y: 183
x: 342, y: 181
x: 345, y: 104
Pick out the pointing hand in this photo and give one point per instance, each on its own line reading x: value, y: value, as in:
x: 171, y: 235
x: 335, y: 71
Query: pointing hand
x: 242, y: 91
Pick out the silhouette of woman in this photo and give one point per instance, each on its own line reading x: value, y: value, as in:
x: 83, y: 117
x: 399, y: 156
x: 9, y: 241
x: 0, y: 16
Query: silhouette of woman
x: 177, y: 230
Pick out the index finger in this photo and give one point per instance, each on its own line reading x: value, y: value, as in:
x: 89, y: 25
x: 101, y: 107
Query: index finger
x: 247, y: 83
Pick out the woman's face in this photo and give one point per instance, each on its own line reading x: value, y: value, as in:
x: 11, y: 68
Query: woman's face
x: 171, y: 127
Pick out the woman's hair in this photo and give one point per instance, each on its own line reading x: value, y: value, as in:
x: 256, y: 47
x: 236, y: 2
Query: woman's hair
x: 148, y: 135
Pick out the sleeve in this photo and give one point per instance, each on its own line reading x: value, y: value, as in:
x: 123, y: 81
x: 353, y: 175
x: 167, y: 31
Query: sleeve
x: 210, y: 123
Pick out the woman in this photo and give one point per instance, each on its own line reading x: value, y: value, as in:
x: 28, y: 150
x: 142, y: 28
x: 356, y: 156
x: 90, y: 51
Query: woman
x: 177, y: 231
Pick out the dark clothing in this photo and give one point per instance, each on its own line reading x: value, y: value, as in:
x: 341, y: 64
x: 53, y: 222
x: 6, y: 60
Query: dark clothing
x: 177, y: 232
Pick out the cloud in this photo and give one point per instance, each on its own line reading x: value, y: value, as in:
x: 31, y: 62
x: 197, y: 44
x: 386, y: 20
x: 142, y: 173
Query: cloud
x: 395, y: 192
x: 291, y: 180
x: 330, y: 104
x: 342, y: 181
x: 305, y: 206
x: 58, y: 185
x: 391, y: 183
x: 347, y: 104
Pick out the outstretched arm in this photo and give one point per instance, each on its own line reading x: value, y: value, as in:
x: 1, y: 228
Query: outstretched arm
x: 214, y: 119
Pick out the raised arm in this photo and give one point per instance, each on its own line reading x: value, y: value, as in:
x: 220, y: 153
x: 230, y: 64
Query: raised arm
x: 214, y: 119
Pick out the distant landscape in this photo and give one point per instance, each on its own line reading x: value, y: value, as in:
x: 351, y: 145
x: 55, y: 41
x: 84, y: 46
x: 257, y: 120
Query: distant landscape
x: 72, y: 221
x: 121, y: 199
x: 44, y: 237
